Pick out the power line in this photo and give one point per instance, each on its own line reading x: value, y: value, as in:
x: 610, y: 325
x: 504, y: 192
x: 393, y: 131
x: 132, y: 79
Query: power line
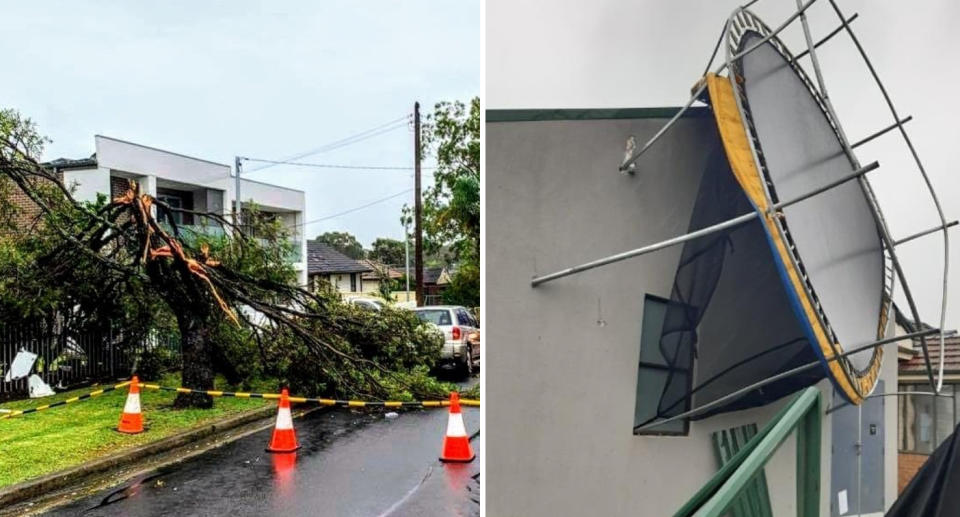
x: 386, y: 127
x: 335, y: 166
x: 356, y: 137
x: 354, y: 209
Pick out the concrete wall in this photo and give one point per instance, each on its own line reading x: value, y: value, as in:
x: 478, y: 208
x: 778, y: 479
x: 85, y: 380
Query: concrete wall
x: 341, y: 282
x: 562, y: 377
x: 139, y: 159
x: 271, y: 196
x: 371, y: 286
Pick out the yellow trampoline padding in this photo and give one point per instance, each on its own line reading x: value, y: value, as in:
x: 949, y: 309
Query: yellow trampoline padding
x: 733, y: 134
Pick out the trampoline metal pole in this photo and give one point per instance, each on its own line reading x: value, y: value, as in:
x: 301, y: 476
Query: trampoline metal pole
x: 629, y: 161
x: 826, y: 38
x: 893, y: 394
x: 859, y: 459
x: 716, y: 48
x: 698, y: 233
x: 782, y: 375
x: 881, y: 132
x: 644, y: 250
x: 811, y: 49
x: 852, y: 176
x: 926, y: 232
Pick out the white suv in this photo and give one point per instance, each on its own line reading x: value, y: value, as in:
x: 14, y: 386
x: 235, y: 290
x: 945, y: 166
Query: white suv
x: 457, y: 325
x: 369, y: 304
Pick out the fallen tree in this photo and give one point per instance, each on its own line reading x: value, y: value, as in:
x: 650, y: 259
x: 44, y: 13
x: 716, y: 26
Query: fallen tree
x: 213, y: 286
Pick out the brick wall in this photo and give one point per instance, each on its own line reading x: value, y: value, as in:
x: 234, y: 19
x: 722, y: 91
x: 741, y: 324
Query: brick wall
x: 907, y: 466
x: 27, y: 212
x: 118, y: 187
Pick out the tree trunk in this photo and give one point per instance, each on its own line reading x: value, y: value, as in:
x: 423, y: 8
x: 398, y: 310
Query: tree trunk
x: 197, y: 360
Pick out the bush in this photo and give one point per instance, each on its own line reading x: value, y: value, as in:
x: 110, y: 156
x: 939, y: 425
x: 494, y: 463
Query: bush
x: 154, y: 362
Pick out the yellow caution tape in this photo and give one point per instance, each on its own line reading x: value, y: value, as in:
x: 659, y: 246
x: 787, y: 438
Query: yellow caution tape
x: 71, y: 400
x: 4, y: 414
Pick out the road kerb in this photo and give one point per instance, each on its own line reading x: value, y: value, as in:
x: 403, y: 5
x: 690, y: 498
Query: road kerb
x: 51, y: 482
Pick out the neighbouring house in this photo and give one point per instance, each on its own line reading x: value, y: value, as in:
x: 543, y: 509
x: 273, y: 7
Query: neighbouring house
x: 378, y: 271
x: 186, y: 182
x: 924, y: 421
x: 328, y: 267
x: 435, y: 281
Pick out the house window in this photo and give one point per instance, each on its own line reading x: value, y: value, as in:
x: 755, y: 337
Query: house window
x: 926, y: 421
x: 353, y: 282
x: 654, y: 371
x: 174, y: 202
x: 176, y: 199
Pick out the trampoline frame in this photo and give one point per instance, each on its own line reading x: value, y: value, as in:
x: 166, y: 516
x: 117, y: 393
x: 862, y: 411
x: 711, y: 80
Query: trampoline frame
x: 936, y: 382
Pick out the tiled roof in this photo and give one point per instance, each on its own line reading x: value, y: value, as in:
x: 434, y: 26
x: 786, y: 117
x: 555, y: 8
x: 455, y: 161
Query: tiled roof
x: 431, y: 274
x: 322, y: 258
x: 69, y: 163
x: 376, y: 267
x: 916, y: 365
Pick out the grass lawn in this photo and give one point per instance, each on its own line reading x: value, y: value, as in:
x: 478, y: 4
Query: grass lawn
x: 46, y: 441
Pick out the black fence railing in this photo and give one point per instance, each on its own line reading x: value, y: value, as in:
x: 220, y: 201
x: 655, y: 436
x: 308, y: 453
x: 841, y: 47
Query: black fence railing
x: 66, y: 358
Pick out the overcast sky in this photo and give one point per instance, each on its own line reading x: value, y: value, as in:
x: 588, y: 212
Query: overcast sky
x: 251, y: 78
x: 629, y: 53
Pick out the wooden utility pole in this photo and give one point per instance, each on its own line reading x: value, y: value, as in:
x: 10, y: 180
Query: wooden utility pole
x: 417, y: 208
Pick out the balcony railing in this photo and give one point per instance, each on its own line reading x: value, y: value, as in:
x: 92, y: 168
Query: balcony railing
x: 190, y: 232
x: 295, y: 254
x: 802, y: 415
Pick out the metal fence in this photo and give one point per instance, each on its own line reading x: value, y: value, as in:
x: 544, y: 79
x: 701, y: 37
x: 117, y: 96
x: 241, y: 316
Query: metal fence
x: 66, y: 358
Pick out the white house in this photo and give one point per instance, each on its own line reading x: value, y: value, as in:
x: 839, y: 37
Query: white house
x: 183, y: 181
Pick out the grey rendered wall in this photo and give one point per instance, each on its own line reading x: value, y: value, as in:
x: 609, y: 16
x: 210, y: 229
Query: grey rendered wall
x: 561, y: 379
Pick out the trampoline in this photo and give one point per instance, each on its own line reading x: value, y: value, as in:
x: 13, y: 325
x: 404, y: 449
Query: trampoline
x: 788, y: 269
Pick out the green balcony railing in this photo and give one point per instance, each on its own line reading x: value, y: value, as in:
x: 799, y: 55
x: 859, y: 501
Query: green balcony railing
x: 802, y: 415
x: 295, y: 254
x: 190, y: 232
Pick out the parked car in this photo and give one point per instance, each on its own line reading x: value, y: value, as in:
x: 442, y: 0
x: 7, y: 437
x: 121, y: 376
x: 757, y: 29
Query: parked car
x: 369, y: 304
x: 456, y: 322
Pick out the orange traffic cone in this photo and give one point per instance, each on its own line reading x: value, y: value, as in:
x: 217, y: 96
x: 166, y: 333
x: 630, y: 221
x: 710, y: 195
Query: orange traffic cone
x: 284, y: 438
x: 131, y: 421
x: 456, y: 444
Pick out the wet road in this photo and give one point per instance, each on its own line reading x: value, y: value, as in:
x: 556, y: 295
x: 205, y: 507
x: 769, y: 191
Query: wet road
x: 352, y: 463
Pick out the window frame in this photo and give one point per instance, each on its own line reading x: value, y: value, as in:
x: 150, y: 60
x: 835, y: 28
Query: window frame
x: 903, y: 424
x: 690, y: 371
x: 175, y: 201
